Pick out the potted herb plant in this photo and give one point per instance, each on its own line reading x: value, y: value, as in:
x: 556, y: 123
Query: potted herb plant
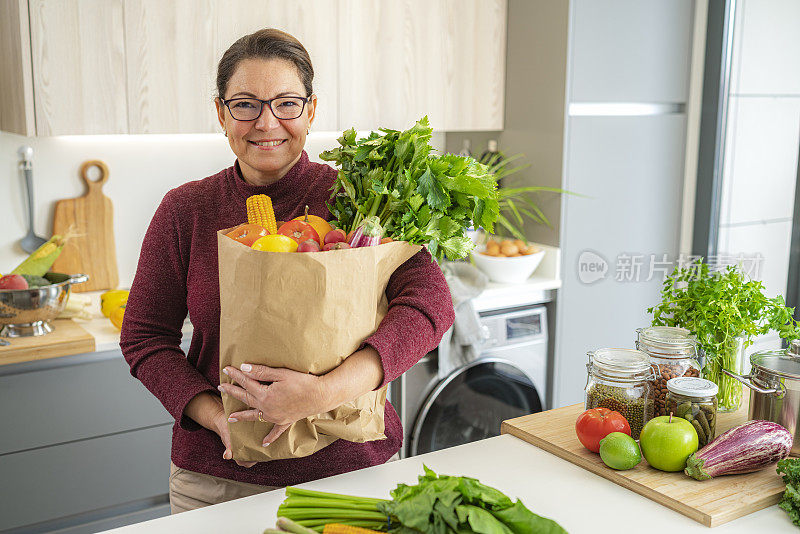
x: 724, y: 310
x: 516, y: 202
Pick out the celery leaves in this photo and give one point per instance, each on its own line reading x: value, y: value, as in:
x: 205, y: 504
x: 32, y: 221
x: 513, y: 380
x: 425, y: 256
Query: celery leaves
x: 418, y: 196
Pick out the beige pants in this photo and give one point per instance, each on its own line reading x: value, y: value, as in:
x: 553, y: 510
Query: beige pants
x: 189, y: 490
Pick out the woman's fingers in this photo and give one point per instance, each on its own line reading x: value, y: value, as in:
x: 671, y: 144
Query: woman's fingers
x: 244, y: 415
x: 263, y: 373
x: 276, y: 431
x: 238, y: 393
x: 241, y: 378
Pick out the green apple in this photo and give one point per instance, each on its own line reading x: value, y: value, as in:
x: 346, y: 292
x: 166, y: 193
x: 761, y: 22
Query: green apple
x: 667, y: 442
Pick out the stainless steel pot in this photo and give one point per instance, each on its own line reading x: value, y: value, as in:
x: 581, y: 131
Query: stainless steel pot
x: 775, y: 381
x: 28, y: 312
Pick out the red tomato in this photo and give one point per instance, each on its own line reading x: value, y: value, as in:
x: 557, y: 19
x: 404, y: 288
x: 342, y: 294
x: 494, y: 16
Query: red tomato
x: 247, y: 233
x: 299, y: 231
x: 595, y: 424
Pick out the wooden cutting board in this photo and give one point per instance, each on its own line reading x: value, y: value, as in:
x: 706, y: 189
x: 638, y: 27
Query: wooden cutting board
x: 67, y: 338
x: 711, y: 502
x: 91, y: 216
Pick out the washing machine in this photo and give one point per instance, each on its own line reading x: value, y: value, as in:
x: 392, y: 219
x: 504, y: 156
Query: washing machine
x: 508, y: 379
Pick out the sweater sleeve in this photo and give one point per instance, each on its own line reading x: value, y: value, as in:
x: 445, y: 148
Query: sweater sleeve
x: 156, y: 308
x: 420, y: 312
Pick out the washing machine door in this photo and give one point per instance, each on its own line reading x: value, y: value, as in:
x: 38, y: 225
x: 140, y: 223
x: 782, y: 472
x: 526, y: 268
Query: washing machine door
x: 470, y: 404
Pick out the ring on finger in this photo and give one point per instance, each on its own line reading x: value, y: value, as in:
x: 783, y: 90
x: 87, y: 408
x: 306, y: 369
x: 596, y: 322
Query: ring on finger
x: 261, y: 417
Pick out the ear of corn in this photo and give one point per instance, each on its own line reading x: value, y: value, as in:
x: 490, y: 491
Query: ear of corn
x: 40, y: 261
x: 260, y: 212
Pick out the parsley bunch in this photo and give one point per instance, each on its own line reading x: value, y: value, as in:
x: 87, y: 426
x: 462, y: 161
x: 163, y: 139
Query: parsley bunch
x: 419, y: 197
x: 789, y: 469
x: 718, y: 307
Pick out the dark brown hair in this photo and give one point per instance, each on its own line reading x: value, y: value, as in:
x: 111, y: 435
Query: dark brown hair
x: 268, y: 43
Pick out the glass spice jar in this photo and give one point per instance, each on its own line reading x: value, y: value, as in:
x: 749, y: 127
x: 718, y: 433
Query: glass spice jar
x: 694, y: 399
x: 621, y: 380
x: 673, y: 352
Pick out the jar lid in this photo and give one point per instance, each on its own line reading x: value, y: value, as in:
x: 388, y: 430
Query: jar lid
x: 777, y: 362
x: 621, y: 362
x: 669, y: 339
x: 692, y: 387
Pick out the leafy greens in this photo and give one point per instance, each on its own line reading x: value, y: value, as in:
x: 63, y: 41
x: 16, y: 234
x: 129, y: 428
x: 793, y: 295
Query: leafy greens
x: 438, y: 504
x: 789, y: 469
x: 418, y: 196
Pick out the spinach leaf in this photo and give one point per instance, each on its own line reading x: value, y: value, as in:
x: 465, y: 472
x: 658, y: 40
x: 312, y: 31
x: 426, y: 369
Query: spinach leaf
x: 522, y: 521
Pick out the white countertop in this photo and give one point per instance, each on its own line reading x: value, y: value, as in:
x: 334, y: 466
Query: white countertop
x: 549, y: 486
x: 537, y: 288
x: 106, y: 335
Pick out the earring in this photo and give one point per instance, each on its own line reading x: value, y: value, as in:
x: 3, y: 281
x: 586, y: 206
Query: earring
x: 308, y: 131
x: 225, y: 133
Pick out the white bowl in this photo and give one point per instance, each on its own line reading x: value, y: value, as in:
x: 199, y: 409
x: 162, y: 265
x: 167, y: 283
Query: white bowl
x: 507, y: 270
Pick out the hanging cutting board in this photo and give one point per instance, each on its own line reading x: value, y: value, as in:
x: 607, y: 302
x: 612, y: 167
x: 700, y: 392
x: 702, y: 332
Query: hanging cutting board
x: 711, y: 502
x: 91, y: 216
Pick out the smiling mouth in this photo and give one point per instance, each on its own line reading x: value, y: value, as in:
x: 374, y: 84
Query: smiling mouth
x: 267, y: 144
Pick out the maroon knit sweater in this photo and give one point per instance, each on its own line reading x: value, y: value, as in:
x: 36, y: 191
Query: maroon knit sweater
x: 178, y: 273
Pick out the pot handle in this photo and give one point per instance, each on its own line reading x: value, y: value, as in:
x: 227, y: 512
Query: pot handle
x: 78, y: 278
x: 747, y: 381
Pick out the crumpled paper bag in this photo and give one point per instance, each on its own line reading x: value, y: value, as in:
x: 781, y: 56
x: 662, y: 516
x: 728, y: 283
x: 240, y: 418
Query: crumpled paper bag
x: 306, y: 312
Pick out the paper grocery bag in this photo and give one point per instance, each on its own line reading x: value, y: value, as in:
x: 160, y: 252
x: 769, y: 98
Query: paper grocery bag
x: 306, y: 312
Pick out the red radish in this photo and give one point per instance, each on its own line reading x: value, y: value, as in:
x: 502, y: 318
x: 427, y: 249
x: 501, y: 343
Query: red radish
x: 13, y: 281
x: 335, y: 236
x: 385, y: 240
x: 742, y: 449
x: 309, y: 245
x: 336, y: 246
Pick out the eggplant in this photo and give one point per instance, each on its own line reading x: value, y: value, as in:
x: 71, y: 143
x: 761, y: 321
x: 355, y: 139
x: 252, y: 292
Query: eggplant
x: 749, y: 447
x: 368, y: 233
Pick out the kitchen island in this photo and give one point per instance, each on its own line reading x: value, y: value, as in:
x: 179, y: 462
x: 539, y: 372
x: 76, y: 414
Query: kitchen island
x: 579, y: 500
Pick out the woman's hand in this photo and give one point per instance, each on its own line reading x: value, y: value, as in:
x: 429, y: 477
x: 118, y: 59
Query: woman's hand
x: 207, y: 410
x: 221, y: 428
x: 288, y: 396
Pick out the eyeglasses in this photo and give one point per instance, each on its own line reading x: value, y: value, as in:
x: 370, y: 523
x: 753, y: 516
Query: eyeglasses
x: 282, y: 107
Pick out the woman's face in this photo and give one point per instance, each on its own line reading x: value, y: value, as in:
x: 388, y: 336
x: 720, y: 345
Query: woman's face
x: 266, y: 147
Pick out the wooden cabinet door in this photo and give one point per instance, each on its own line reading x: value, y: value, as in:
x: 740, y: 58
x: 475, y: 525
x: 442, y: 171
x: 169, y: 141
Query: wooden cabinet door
x: 473, y: 67
x: 389, y: 66
x: 171, y: 66
x: 78, y: 55
x: 313, y: 23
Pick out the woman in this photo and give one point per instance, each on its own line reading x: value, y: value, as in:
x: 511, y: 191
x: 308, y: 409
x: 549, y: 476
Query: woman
x: 266, y: 107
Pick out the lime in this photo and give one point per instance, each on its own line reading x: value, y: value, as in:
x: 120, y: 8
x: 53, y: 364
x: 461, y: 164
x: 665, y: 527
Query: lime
x: 620, y: 451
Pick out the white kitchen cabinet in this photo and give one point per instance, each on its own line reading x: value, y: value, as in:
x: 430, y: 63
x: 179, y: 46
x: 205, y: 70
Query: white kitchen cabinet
x: 147, y: 66
x: 16, y: 83
x: 391, y: 63
x: 170, y: 68
x: 78, y: 53
x: 474, y: 66
x: 402, y: 60
x: 62, y: 68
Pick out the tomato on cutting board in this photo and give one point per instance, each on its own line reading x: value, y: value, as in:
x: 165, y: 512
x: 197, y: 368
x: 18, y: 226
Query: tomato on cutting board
x: 595, y: 424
